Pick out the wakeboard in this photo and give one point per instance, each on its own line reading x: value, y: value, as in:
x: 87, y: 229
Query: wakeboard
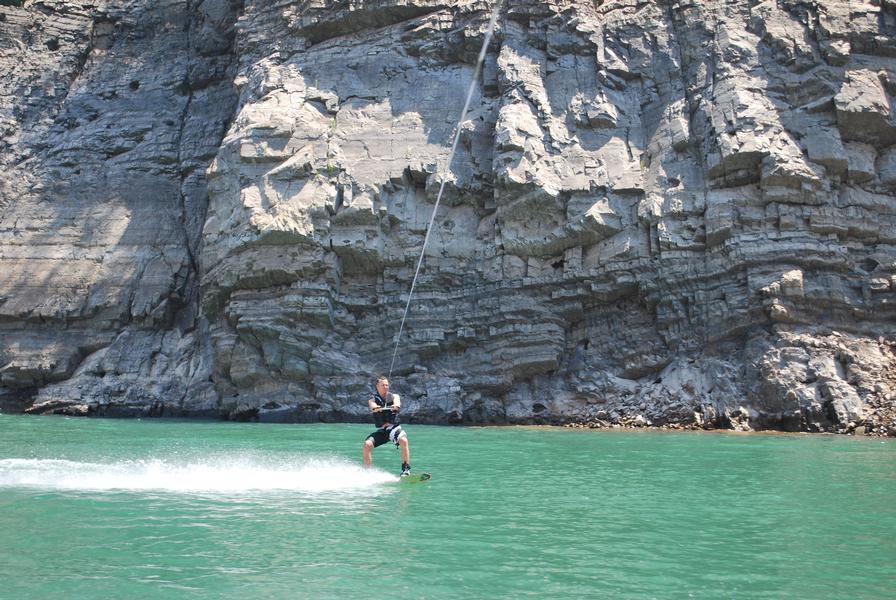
x: 417, y: 477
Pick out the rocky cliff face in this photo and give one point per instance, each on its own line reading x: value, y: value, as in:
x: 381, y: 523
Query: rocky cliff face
x: 110, y: 115
x: 663, y: 212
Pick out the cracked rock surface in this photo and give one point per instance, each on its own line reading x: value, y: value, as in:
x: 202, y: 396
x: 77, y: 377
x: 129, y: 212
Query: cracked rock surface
x: 110, y: 115
x: 659, y: 212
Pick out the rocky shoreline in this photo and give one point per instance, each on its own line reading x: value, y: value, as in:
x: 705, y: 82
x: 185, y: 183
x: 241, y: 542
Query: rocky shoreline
x: 876, y: 427
x: 880, y: 424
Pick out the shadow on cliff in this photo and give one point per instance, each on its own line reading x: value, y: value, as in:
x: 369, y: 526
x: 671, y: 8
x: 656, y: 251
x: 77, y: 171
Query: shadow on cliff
x: 108, y: 232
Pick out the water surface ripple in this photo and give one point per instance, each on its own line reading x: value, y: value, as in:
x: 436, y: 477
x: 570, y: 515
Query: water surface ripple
x: 174, y: 509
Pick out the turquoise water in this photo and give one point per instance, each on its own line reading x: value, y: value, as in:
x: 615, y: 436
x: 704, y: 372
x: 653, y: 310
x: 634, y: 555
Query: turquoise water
x: 172, y: 509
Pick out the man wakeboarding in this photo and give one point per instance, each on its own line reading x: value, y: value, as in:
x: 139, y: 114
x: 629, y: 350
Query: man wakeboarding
x: 385, y: 407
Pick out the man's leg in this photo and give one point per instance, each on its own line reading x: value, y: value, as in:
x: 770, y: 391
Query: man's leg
x: 368, y: 448
x: 405, y: 448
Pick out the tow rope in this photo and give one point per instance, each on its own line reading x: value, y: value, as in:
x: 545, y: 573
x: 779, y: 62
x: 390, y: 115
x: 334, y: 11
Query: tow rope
x: 488, y: 36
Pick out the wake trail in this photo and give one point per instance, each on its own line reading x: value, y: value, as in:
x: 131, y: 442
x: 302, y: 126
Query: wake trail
x: 231, y: 475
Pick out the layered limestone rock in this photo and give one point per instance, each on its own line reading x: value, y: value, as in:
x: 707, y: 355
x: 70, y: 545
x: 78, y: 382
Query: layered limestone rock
x: 675, y: 212
x: 110, y: 115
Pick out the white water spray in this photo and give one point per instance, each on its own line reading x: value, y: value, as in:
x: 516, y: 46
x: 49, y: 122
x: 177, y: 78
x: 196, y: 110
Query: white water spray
x: 212, y: 475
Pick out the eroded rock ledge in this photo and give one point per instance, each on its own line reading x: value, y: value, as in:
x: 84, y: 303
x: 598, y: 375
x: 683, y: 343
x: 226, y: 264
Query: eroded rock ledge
x: 660, y: 212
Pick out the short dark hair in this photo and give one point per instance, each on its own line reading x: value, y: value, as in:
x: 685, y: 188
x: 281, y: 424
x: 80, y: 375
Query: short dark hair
x: 380, y: 378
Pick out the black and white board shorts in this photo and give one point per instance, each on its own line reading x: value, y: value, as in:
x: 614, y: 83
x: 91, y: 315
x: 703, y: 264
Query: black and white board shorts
x: 389, y: 433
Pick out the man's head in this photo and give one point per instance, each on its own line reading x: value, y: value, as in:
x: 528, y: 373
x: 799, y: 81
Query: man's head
x: 382, y: 385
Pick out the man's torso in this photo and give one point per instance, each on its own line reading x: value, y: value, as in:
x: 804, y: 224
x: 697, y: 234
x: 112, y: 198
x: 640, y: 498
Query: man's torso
x: 384, y: 418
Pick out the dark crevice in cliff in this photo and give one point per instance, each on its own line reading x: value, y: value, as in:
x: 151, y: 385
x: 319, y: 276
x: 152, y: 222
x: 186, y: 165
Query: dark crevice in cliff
x: 17, y: 400
x: 185, y: 113
x: 187, y: 167
x: 194, y: 265
x: 351, y: 21
x: 82, y: 60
